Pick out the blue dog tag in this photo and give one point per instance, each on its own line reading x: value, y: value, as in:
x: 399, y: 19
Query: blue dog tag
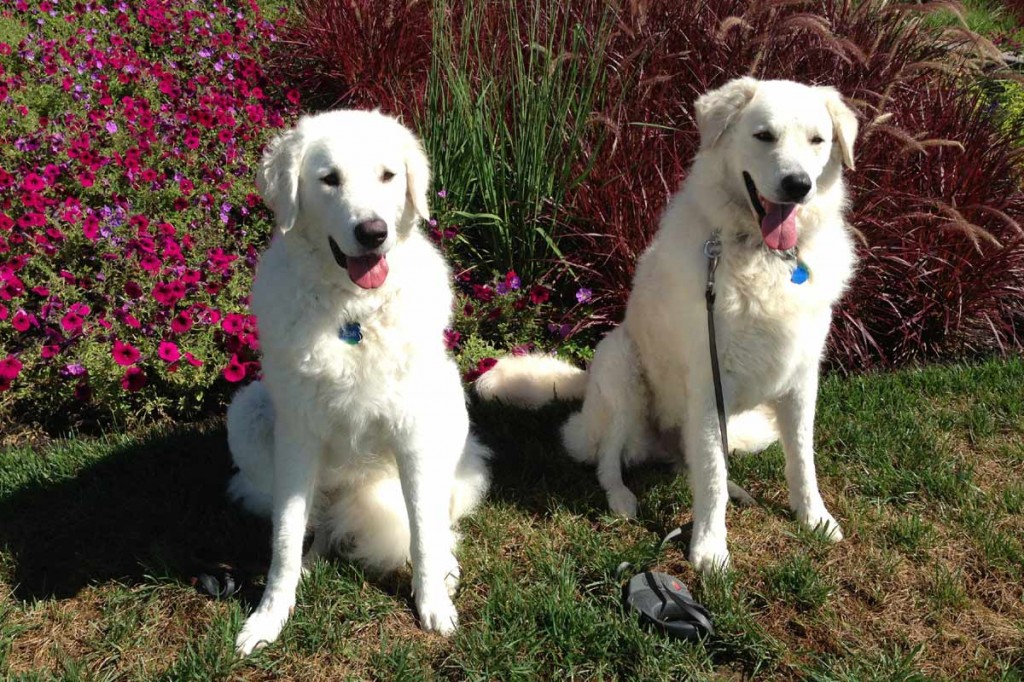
x: 800, y: 274
x: 350, y: 333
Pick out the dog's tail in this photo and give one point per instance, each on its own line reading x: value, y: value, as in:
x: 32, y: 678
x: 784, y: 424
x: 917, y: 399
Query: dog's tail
x: 754, y: 430
x: 532, y: 381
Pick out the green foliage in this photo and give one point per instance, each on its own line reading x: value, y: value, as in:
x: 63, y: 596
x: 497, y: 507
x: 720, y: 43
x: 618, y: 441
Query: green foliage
x: 507, y: 121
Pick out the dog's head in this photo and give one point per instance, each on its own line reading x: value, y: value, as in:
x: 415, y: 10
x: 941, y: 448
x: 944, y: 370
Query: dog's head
x: 780, y: 143
x: 351, y: 183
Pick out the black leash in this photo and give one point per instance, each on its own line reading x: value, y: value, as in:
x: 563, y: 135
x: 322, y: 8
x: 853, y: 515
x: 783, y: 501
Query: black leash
x: 713, y: 252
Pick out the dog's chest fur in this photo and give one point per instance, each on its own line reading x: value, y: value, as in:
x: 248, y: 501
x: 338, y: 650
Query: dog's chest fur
x: 354, y: 389
x: 770, y: 326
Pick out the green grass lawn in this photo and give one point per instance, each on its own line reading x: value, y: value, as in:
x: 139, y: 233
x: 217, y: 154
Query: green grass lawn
x: 924, y: 469
x: 988, y: 17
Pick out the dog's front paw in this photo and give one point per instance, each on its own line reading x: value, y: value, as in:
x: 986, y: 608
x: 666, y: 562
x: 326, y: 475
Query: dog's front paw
x: 260, y: 629
x: 437, y: 614
x: 709, y: 554
x: 822, y: 523
x: 451, y: 578
x: 622, y: 502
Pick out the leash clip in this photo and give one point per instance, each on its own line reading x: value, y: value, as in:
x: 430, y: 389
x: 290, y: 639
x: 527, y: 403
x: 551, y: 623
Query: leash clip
x: 713, y: 252
x: 713, y: 247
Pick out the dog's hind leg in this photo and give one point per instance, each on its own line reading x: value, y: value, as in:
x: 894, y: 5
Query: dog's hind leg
x: 621, y: 499
x: 317, y: 548
x: 471, y: 478
x: 250, y: 424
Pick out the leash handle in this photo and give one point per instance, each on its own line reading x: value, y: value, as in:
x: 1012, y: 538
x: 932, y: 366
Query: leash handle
x: 713, y: 252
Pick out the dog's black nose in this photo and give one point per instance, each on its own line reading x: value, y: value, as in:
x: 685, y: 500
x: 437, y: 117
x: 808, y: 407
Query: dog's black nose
x: 371, y: 233
x: 796, y: 186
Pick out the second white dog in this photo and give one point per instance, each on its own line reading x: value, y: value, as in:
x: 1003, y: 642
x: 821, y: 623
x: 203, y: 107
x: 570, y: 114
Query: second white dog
x: 767, y: 182
x: 359, y: 427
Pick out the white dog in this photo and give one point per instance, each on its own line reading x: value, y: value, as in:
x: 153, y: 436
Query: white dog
x: 359, y: 428
x: 767, y: 182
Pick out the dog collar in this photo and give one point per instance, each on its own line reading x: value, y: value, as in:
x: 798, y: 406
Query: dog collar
x: 800, y: 272
x: 350, y: 333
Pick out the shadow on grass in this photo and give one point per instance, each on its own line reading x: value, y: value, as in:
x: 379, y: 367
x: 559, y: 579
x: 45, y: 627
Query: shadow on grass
x: 532, y: 471
x: 151, y: 508
x: 530, y: 468
x: 145, y: 509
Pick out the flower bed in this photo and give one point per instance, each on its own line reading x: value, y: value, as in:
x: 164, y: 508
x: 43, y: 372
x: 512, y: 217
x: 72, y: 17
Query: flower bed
x: 129, y: 228
x: 128, y: 223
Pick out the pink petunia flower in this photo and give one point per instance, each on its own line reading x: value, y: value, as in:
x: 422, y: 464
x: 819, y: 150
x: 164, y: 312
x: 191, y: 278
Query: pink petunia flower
x: 233, y: 323
x: 10, y: 367
x: 72, y: 322
x: 22, y: 321
x: 91, y: 228
x: 132, y: 289
x: 134, y: 379
x: 124, y: 353
x: 483, y: 292
x: 181, y: 323
x: 482, y: 367
x: 33, y: 182
x: 168, y: 351
x: 235, y: 370
x: 451, y: 339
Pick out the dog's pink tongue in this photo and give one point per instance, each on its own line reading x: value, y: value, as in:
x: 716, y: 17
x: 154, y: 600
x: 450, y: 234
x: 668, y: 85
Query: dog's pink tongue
x: 369, y: 272
x: 778, y: 227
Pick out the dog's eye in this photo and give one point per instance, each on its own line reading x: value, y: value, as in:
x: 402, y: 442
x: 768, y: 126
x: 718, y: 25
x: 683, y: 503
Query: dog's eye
x: 331, y: 179
x: 387, y: 176
x: 817, y: 139
x: 765, y: 136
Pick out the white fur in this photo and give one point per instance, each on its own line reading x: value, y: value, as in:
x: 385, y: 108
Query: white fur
x: 367, y: 444
x: 654, y: 370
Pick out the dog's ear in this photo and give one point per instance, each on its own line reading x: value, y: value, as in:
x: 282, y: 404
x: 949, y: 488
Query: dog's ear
x: 716, y: 109
x: 278, y: 177
x: 844, y: 121
x: 417, y: 177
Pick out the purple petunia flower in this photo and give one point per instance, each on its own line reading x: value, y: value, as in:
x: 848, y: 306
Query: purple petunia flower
x: 73, y: 369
